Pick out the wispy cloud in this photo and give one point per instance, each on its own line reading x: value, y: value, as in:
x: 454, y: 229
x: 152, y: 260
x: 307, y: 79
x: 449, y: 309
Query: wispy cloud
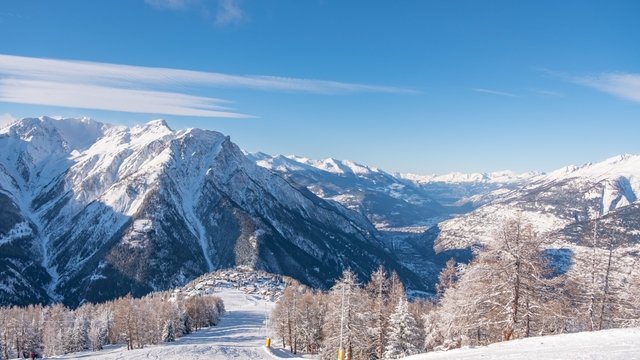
x: 143, y: 89
x: 110, y: 98
x: 223, y: 12
x: 494, y: 92
x: 6, y: 16
x: 547, y: 93
x: 622, y: 85
x: 229, y: 12
x: 171, y: 4
x: 122, y: 75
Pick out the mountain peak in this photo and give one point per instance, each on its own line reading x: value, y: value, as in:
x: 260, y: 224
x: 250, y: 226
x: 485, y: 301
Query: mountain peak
x: 157, y: 123
x: 72, y: 133
x: 621, y: 158
x: 627, y: 165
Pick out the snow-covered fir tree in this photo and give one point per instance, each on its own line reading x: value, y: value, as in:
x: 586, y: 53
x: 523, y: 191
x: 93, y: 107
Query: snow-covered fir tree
x: 78, y: 337
x: 168, y: 332
x: 378, y: 290
x: 99, y: 326
x: 402, y: 339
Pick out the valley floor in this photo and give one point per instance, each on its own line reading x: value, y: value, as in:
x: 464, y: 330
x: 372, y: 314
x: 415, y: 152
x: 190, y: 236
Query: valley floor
x: 239, y: 335
x: 603, y: 345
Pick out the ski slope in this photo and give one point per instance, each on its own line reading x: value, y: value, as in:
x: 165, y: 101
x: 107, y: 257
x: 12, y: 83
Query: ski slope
x: 614, y: 344
x: 239, y: 335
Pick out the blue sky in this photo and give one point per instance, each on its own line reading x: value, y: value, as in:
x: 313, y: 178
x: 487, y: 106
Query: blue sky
x: 408, y: 86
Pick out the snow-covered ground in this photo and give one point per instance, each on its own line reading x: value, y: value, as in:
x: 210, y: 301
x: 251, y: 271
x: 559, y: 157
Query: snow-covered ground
x: 623, y: 344
x: 239, y: 335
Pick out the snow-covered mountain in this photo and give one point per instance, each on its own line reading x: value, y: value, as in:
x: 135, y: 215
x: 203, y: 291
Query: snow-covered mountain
x: 401, y: 210
x: 91, y: 211
x: 470, y: 189
x: 500, y: 177
x: 561, y: 205
x: 387, y: 201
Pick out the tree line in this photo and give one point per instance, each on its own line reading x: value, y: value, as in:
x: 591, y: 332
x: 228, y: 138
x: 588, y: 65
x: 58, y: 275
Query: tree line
x: 509, y: 290
x: 57, y: 330
x: 368, y: 321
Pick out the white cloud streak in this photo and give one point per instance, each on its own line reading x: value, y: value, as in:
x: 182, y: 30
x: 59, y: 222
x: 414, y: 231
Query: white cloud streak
x: 223, y: 12
x: 494, y: 92
x: 108, y: 98
x: 170, y: 4
x: 123, y: 75
x: 137, y: 89
x: 547, y: 93
x: 622, y: 85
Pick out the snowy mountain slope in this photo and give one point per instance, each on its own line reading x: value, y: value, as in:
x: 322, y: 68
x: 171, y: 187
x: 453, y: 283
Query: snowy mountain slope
x: 399, y: 208
x: 611, y: 344
x: 388, y: 202
x: 563, y: 206
x: 32, y: 152
x: 148, y: 208
x: 20, y: 259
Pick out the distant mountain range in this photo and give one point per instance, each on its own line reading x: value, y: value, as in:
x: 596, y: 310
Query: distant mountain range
x: 385, y: 200
x: 90, y: 211
x: 558, y: 202
x: 469, y: 190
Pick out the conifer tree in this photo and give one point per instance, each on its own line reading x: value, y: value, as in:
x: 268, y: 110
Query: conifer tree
x: 378, y: 290
x: 403, y: 329
x: 78, y: 337
x: 168, y: 332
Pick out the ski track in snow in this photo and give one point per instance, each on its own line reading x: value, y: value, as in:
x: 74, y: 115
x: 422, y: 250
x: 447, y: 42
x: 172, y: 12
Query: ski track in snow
x: 239, y: 335
x: 614, y: 344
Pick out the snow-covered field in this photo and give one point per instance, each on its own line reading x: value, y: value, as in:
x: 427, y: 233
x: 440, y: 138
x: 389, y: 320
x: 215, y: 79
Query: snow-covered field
x: 239, y: 335
x: 623, y: 344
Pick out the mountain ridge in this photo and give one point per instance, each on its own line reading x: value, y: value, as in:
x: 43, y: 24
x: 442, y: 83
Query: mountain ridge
x: 561, y: 205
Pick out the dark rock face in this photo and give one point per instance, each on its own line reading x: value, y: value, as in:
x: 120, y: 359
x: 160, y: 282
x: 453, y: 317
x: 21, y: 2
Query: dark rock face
x: 20, y: 266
